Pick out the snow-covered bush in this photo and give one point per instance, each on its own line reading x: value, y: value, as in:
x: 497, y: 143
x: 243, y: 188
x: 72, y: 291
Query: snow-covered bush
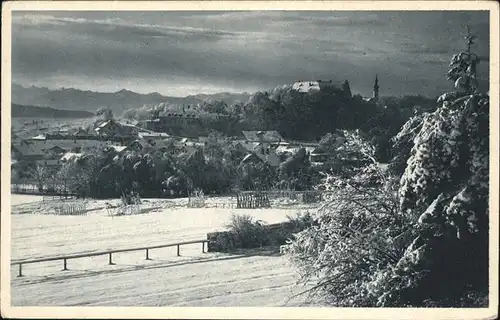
x: 249, y: 233
x: 445, y: 185
x: 354, y: 242
x: 402, y: 143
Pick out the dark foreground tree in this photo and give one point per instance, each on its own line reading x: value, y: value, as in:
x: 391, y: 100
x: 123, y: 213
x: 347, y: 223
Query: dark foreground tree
x: 424, y: 243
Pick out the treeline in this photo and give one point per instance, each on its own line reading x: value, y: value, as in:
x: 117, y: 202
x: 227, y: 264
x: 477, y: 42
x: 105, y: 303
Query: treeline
x: 307, y: 116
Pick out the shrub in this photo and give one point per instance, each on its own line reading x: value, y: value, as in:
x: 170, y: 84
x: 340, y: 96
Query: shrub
x: 248, y: 233
x: 289, y: 228
x: 351, y: 245
x: 301, y: 220
x: 129, y: 198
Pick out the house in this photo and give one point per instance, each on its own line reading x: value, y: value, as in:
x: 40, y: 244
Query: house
x: 251, y: 158
x: 129, y: 129
x: 51, y: 163
x: 271, y: 158
x: 118, y: 149
x: 154, y: 125
x: 259, y: 136
x: 28, y: 150
x: 109, y: 128
x: 55, y: 150
x: 81, y: 133
x: 254, y: 157
x: 286, y: 150
x: 42, y: 147
x: 136, y: 145
x: 182, y: 118
x: 153, y: 135
x: 39, y: 137
x: 70, y: 156
x: 143, y: 145
x: 261, y: 150
x: 163, y: 145
x: 245, y: 146
x: 177, y: 125
x: 318, y: 156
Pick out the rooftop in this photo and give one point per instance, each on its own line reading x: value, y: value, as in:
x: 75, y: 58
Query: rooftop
x: 118, y: 148
x: 71, y: 155
x: 269, y: 136
x: 311, y: 86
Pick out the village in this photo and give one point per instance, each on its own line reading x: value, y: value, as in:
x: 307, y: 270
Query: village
x: 180, y: 133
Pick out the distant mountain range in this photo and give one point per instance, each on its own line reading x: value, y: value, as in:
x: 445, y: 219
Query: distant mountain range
x: 23, y: 111
x: 74, y: 99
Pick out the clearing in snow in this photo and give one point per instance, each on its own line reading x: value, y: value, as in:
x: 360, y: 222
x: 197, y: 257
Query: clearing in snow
x: 259, y: 277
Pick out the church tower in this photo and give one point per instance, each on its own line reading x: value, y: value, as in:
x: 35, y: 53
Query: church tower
x: 375, y: 89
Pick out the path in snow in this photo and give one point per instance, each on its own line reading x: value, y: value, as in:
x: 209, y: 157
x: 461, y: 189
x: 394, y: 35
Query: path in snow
x: 258, y: 279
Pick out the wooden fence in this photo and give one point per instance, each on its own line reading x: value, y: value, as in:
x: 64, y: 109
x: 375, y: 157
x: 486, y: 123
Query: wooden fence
x: 32, y: 189
x: 196, y: 199
x: 65, y: 259
x: 71, y: 208
x: 252, y: 200
x: 261, y: 199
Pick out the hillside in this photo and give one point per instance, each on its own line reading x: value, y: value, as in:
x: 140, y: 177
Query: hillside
x: 74, y: 99
x: 28, y: 111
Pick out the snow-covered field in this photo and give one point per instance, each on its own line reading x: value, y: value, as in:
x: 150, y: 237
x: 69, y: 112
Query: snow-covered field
x: 250, y: 278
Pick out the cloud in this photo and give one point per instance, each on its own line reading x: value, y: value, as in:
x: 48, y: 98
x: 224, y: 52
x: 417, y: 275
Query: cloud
x: 255, y: 49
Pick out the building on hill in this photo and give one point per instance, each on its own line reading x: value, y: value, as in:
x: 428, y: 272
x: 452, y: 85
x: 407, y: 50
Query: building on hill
x: 312, y: 86
x: 177, y: 124
x: 181, y: 119
x: 188, y: 123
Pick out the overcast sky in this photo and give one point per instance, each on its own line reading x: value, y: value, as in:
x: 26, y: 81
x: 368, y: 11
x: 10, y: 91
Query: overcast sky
x: 182, y: 53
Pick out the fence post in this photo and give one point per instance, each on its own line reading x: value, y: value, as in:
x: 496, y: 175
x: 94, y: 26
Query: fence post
x: 147, y: 254
x: 65, y: 265
x: 110, y: 259
x: 20, y: 270
x: 203, y: 247
x: 178, y: 250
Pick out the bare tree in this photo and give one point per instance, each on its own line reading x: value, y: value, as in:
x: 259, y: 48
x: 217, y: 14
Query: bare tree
x: 40, y: 175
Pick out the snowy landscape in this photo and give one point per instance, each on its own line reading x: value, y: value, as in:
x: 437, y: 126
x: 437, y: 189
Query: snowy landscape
x: 251, y: 159
x: 236, y: 279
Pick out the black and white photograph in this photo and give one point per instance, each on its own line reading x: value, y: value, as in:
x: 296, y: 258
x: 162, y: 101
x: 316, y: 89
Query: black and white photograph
x: 291, y: 157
